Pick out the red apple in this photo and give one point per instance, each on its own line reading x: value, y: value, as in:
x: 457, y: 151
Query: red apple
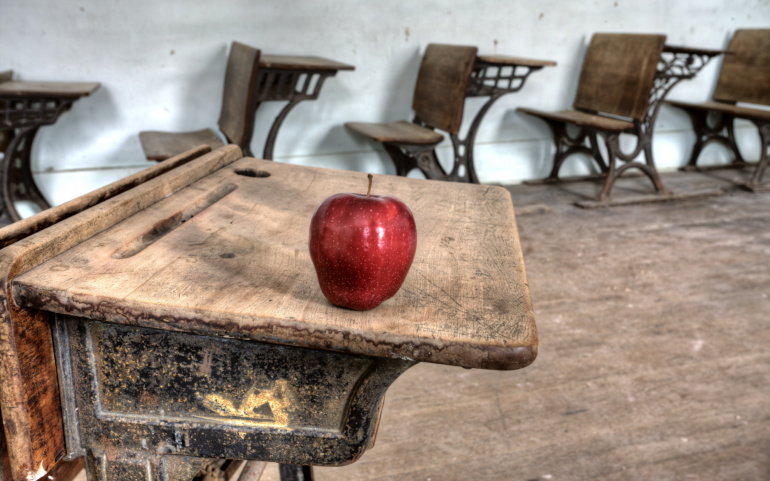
x: 362, y: 247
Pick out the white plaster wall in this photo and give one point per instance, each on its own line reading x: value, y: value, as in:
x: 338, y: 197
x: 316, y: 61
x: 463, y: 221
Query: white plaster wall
x: 161, y: 65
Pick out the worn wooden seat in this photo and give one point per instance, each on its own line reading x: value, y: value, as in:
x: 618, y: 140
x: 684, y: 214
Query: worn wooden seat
x: 438, y: 101
x: 745, y: 79
x: 612, y: 98
x: 236, y: 119
x: 401, y: 132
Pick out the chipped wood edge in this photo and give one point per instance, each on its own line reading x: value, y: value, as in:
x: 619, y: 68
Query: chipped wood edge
x: 30, y: 252
x: 13, y: 233
x: 492, y: 354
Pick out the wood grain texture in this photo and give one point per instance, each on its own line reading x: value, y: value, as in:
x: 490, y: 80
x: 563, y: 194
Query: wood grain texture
x: 5, y: 461
x: 26, y: 227
x: 513, y: 61
x: 711, y: 52
x: 439, y: 95
x: 582, y: 119
x: 228, y: 256
x: 159, y: 145
x: 54, y: 89
x: 401, y: 132
x: 730, y: 109
x: 66, y: 470
x: 301, y: 62
x: 617, y: 74
x: 745, y: 74
x: 236, y: 119
x: 29, y: 395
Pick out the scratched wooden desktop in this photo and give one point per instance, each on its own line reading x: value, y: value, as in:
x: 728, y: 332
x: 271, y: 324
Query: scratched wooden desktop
x: 188, y: 325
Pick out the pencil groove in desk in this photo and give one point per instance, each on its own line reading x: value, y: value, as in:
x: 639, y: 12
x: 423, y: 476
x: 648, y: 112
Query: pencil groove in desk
x: 241, y: 269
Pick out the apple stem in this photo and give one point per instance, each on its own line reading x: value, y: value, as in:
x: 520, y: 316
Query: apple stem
x: 370, y: 184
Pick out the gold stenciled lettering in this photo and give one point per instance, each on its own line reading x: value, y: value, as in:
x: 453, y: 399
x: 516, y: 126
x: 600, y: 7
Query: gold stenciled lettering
x: 280, y: 398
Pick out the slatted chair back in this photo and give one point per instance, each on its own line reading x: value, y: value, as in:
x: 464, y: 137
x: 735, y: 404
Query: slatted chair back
x: 439, y: 95
x: 617, y: 74
x: 236, y: 120
x: 745, y: 75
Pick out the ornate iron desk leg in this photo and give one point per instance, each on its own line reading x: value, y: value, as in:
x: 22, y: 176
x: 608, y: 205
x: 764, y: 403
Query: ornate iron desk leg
x: 408, y: 157
x: 22, y: 118
x: 491, y: 80
x: 723, y: 132
x: 675, y: 64
x: 566, y: 146
x: 293, y: 86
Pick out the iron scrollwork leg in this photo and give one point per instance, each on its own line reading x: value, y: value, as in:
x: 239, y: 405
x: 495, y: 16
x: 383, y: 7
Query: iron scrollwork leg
x: 464, y: 168
x: 613, y: 147
x: 729, y: 123
x: 408, y: 157
x: 649, y: 169
x: 722, y: 133
x: 567, y: 146
x: 271, y: 136
x: 17, y: 181
x: 290, y: 472
x: 285, y: 85
x: 764, y: 155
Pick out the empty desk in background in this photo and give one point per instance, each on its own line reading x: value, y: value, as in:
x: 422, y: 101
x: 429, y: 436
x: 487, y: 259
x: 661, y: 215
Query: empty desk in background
x: 24, y: 108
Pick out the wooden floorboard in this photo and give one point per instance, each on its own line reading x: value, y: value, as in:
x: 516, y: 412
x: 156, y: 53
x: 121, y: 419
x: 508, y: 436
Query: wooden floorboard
x: 654, y: 363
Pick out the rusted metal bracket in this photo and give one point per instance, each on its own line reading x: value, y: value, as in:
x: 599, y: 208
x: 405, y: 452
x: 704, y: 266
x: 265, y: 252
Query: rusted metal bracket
x: 566, y: 146
x: 293, y: 86
x: 722, y: 131
x: 21, y: 118
x: 143, y: 403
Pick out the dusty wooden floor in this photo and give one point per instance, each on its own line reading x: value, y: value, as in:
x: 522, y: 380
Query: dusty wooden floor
x: 654, y: 359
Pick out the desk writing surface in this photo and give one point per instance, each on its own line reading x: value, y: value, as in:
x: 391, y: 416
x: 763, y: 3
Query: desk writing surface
x: 300, y: 62
x: 52, y: 89
x: 240, y: 267
x: 509, y: 60
x: 694, y: 50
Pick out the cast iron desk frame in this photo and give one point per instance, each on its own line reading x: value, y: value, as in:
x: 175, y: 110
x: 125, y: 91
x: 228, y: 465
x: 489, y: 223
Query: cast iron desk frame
x: 119, y: 438
x: 291, y: 79
x: 675, y: 64
x: 493, y: 76
x: 24, y: 108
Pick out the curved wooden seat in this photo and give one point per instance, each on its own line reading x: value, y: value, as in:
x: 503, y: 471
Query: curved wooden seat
x: 744, y: 77
x: 748, y: 113
x: 401, y: 132
x: 236, y: 119
x: 162, y: 145
x: 582, y: 119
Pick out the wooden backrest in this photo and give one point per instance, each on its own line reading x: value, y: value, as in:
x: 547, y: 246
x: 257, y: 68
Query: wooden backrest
x: 745, y: 75
x: 440, y: 91
x: 236, y: 119
x: 618, y: 72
